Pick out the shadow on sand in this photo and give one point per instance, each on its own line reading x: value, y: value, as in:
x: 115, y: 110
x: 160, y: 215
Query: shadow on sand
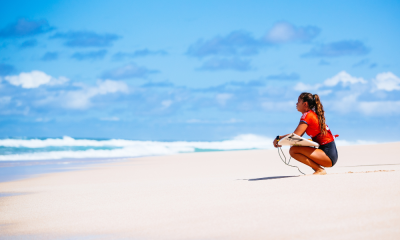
x: 267, y: 178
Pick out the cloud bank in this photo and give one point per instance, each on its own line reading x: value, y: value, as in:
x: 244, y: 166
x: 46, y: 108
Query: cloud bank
x: 338, y: 49
x: 341, y: 94
x: 284, y: 76
x: 244, y: 43
x: 34, y: 79
x: 24, y: 28
x: 92, y: 55
x: 284, y: 32
x: 81, y: 99
x: 235, y: 43
x: 217, y: 64
x: 347, y: 94
x: 387, y: 81
x: 49, y: 56
x: 86, y: 39
x: 128, y: 71
x: 138, y: 53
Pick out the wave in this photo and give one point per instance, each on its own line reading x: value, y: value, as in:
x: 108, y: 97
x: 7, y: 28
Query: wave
x: 68, y: 147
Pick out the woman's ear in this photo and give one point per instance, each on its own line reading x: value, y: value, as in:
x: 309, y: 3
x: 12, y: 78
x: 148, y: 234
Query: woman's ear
x: 305, y: 104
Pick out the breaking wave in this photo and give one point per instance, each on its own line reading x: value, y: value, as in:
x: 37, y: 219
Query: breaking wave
x: 68, y: 147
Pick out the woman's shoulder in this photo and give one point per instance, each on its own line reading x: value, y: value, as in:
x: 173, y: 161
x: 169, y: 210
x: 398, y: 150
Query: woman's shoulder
x: 309, y: 113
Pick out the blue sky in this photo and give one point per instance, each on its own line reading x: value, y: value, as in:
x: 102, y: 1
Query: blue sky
x: 197, y: 70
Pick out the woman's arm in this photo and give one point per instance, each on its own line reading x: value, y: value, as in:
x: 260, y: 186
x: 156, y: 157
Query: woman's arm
x: 300, y: 130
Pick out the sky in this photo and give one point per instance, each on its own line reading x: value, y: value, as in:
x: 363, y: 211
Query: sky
x: 197, y: 70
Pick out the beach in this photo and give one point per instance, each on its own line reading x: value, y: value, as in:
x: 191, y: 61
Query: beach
x: 247, y: 194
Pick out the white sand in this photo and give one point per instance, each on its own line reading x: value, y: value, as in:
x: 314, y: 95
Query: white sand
x: 212, y: 195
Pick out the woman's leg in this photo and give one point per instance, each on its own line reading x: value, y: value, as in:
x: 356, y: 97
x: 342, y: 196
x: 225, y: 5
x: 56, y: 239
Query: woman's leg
x: 315, y: 158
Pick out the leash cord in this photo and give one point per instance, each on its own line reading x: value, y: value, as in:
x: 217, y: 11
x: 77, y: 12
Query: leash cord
x: 287, y: 163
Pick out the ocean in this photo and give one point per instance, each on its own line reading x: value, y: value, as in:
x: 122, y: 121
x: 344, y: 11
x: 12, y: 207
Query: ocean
x: 14, y: 149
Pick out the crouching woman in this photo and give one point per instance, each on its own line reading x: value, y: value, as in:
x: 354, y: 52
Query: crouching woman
x: 313, y: 123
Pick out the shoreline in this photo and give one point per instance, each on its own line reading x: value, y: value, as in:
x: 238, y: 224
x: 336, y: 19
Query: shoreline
x: 211, y: 195
x: 26, y: 169
x: 23, y: 169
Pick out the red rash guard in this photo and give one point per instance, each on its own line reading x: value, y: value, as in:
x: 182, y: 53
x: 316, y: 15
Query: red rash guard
x: 311, y: 119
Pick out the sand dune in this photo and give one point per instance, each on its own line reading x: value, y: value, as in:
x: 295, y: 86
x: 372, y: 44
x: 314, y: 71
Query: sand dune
x: 211, y: 195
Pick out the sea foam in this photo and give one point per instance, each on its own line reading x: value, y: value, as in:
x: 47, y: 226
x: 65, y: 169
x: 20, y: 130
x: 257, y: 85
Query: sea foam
x: 67, y: 147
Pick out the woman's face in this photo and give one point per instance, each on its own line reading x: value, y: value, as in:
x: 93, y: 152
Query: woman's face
x: 301, y: 106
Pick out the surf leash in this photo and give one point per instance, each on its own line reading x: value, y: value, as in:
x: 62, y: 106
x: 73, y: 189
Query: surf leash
x: 284, y: 161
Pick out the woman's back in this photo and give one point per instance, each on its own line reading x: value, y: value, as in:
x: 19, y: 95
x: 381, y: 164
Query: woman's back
x: 313, y: 130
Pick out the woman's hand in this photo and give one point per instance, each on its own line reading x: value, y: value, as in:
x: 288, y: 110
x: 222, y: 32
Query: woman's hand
x: 276, y: 143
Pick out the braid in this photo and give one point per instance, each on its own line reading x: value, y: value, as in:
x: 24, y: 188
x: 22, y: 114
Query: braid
x: 315, y: 103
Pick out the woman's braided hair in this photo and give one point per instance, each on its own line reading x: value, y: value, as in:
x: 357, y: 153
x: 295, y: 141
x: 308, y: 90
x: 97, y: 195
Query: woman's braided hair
x: 314, y: 103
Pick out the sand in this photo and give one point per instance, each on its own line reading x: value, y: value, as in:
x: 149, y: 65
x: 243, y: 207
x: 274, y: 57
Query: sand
x: 211, y: 195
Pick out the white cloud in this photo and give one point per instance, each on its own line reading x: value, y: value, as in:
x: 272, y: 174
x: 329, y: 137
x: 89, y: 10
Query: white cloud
x: 379, y: 107
x: 345, y: 101
x: 42, y: 119
x: 223, y: 98
x: 283, y: 32
x: 387, y: 81
x: 34, y: 79
x: 352, y: 104
x: 383, y: 81
x: 81, y: 99
x: 109, y: 86
x: 166, y: 103
x: 344, y: 78
x: 279, y: 106
x: 344, y: 104
x: 113, y: 119
x: 301, y: 87
x: 195, y: 121
x: 128, y: 71
x: 233, y: 120
x: 5, y: 100
x: 324, y: 92
x: 58, y: 81
x: 229, y: 121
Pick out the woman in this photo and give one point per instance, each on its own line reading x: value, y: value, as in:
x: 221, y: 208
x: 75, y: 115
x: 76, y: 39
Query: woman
x: 312, y: 122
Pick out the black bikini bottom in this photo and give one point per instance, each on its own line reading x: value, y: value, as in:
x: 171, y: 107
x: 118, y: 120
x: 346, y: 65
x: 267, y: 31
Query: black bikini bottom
x: 331, y: 151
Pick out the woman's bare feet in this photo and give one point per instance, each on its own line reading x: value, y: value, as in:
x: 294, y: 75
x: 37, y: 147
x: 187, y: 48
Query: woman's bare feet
x: 320, y: 171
